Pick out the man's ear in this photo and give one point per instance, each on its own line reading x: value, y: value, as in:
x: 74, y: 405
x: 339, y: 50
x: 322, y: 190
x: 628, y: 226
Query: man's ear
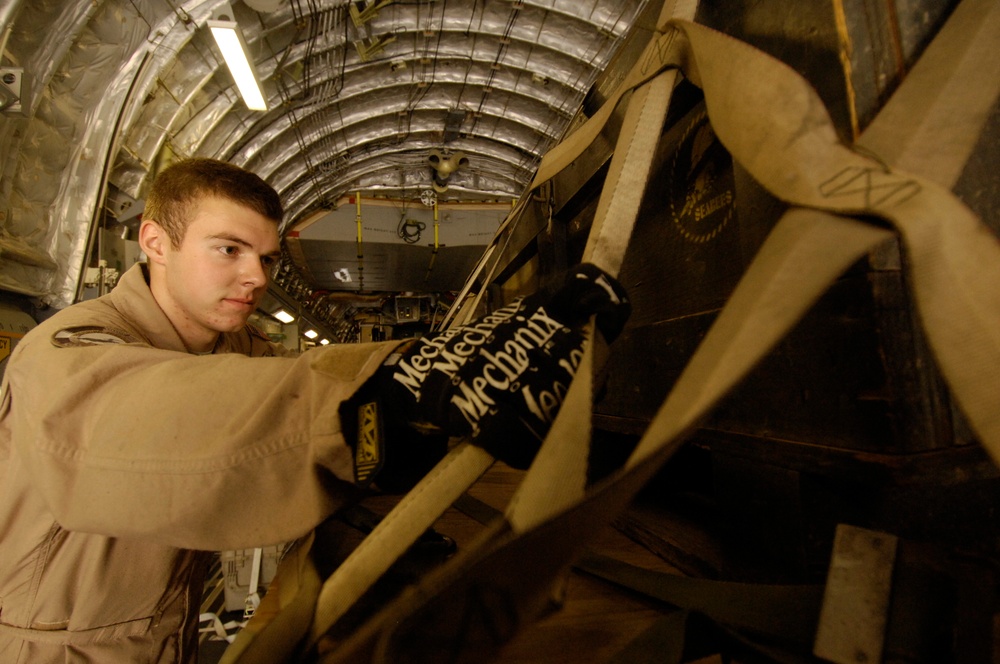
x: 153, y: 240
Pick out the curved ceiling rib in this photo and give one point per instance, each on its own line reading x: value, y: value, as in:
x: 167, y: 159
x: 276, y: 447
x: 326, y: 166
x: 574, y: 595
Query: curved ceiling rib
x: 501, y: 94
x: 361, y: 134
x: 373, y: 175
x: 332, y: 127
x: 518, y: 70
x: 362, y: 94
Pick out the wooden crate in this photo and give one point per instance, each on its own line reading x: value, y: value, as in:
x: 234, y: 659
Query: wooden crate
x: 848, y: 419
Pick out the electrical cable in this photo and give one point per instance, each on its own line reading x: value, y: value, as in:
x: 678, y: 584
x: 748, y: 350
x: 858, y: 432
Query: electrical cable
x: 409, y: 230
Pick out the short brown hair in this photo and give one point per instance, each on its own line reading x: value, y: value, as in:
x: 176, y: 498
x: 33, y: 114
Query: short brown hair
x: 184, y: 182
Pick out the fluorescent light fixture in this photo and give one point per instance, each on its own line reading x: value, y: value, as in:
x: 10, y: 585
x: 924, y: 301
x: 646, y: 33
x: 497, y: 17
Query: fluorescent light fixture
x: 312, y: 334
x: 229, y: 37
x: 324, y: 342
x: 283, y: 316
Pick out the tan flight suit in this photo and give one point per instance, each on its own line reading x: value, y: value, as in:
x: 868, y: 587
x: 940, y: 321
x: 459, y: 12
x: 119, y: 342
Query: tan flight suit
x: 124, y: 459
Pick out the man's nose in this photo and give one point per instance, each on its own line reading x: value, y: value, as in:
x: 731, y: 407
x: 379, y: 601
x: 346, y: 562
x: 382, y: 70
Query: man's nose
x: 254, y: 273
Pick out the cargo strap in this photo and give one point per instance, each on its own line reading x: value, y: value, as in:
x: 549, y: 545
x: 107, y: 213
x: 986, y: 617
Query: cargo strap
x: 210, y: 623
x: 253, y: 597
x: 775, y: 126
x: 779, y: 614
x: 783, y: 615
x: 426, y: 502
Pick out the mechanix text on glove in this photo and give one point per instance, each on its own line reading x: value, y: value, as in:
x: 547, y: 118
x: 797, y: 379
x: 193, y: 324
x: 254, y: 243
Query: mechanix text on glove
x: 501, y: 379
x: 519, y: 353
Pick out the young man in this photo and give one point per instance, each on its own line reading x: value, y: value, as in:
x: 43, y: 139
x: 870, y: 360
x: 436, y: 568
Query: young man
x: 143, y: 430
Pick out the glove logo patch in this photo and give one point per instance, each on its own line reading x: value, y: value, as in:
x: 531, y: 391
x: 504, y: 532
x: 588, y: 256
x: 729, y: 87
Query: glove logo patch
x: 368, y: 453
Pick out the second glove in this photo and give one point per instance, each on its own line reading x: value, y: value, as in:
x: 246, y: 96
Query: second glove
x: 501, y: 380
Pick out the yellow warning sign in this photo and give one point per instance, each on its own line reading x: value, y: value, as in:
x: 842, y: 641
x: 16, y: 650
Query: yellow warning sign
x: 7, y: 342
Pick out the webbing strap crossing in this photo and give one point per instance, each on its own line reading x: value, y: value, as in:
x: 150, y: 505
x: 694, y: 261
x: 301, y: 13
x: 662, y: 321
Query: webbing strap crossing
x: 775, y: 126
x: 460, y: 469
x: 651, y: 84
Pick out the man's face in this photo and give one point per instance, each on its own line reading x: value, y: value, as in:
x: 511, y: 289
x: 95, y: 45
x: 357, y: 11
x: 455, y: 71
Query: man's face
x: 215, y: 279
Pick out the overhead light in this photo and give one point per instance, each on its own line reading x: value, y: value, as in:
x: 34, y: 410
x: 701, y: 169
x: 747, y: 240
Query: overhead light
x: 283, y: 316
x: 312, y: 334
x: 324, y: 342
x: 229, y: 37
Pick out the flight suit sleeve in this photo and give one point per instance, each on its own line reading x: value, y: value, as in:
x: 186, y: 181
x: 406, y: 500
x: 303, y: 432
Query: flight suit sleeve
x: 205, y: 452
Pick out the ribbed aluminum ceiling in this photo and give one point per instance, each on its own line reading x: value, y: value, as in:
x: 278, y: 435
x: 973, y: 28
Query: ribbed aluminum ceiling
x: 363, y: 96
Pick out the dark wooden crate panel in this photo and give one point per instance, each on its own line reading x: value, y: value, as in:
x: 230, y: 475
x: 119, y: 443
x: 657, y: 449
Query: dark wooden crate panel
x: 854, y: 374
x: 803, y: 34
x: 824, y: 384
x: 875, y: 41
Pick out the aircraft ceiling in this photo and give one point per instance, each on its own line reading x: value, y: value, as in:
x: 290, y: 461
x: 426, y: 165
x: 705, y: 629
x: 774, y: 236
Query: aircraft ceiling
x: 409, y: 102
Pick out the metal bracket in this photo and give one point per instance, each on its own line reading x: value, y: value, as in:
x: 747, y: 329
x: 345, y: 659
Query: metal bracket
x: 855, y: 609
x: 11, y: 89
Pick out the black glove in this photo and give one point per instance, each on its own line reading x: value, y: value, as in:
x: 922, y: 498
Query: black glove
x: 501, y: 380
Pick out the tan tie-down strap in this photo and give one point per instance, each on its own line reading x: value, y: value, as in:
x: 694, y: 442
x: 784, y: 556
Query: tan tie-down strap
x: 453, y: 475
x: 426, y: 502
x: 775, y: 126
x: 651, y: 81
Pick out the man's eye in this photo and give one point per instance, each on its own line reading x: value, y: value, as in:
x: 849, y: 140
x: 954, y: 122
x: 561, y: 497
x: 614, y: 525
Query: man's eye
x: 268, y: 261
x: 230, y: 250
